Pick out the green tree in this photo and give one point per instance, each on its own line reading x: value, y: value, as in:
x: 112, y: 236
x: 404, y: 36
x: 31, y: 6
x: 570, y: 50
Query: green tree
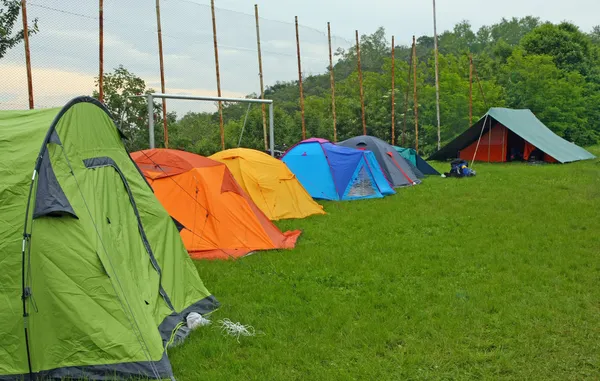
x: 9, y: 13
x: 569, y: 47
x: 553, y: 95
x: 121, y: 96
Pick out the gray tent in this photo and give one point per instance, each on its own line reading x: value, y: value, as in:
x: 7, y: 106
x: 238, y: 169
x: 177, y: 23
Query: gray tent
x: 398, y: 171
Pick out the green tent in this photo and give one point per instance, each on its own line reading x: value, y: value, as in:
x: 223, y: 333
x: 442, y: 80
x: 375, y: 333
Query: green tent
x: 413, y: 157
x: 96, y: 282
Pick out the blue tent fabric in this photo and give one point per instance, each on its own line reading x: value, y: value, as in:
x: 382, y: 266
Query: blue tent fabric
x: 384, y: 186
x: 336, y: 173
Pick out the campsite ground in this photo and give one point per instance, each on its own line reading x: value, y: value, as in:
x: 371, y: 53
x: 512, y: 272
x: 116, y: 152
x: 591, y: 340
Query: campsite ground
x: 493, y: 277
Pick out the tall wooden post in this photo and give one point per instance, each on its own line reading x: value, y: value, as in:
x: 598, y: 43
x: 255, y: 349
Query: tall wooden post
x: 406, y: 97
x: 393, y: 92
x: 414, y: 59
x: 27, y: 53
x: 214, y: 26
x: 437, y: 79
x: 162, y: 73
x: 360, y: 82
x: 260, y: 74
x: 332, y: 80
x: 300, y: 81
x: 470, y: 90
x: 101, y: 50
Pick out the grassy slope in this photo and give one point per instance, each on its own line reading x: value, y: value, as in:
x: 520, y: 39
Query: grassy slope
x: 485, y: 278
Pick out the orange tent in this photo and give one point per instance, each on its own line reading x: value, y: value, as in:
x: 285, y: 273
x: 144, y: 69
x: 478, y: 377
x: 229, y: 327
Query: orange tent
x: 216, y: 218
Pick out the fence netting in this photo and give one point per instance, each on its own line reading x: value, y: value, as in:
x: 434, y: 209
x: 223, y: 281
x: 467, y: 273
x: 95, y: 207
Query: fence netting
x: 65, y: 58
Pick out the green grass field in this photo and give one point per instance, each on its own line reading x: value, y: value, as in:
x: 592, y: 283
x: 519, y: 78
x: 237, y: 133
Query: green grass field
x: 493, y: 277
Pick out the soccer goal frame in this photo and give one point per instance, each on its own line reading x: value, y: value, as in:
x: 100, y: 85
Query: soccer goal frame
x: 150, y: 98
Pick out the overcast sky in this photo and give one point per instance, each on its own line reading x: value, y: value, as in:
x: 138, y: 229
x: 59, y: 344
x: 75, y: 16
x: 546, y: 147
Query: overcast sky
x: 65, y: 51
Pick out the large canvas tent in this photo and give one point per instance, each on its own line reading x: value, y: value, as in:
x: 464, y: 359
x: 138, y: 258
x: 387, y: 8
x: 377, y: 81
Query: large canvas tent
x: 216, y: 218
x: 332, y: 172
x: 504, y: 135
x: 270, y: 183
x: 397, y: 170
x: 410, y: 155
x: 95, y: 279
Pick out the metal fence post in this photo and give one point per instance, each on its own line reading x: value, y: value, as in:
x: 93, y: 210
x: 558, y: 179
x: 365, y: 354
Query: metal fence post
x: 271, y: 130
x: 151, y: 119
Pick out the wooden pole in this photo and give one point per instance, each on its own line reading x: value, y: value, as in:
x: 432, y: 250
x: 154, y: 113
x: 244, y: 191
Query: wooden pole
x: 470, y: 90
x: 393, y: 92
x: 406, y: 98
x: 437, y: 79
x: 332, y: 80
x: 214, y: 27
x: 101, y: 51
x: 260, y: 74
x: 300, y: 81
x: 360, y: 82
x: 414, y: 59
x: 162, y: 73
x: 27, y: 53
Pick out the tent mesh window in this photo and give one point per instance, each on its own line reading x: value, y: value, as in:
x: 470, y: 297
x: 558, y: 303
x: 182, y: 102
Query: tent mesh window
x: 362, y: 185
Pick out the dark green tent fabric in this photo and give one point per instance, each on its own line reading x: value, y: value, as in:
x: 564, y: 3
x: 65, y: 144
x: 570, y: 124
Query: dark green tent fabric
x: 87, y: 252
x: 412, y: 157
x: 523, y: 123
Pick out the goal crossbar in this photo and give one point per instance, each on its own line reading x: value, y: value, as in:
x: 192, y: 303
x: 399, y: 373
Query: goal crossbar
x: 150, y: 98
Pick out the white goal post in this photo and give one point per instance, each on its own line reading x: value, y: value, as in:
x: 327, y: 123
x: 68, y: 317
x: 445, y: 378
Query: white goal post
x: 150, y: 98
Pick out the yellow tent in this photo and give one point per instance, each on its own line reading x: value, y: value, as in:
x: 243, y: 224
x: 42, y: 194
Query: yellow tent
x: 272, y: 186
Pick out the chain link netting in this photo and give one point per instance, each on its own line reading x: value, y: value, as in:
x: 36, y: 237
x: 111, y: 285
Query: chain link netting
x: 65, y: 51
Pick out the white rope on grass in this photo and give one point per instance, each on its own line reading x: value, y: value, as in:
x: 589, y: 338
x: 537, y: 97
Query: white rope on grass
x: 236, y: 329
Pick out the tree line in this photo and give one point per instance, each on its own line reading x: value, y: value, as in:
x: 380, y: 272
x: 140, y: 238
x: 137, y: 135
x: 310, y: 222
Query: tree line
x: 552, y: 69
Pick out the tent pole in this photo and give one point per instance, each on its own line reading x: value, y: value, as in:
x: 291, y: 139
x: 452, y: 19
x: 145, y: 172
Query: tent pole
x: 151, y: 119
x: 406, y: 99
x: 437, y: 79
x: 414, y: 54
x: 162, y: 74
x: 101, y: 51
x: 300, y: 80
x: 216, y: 48
x: 393, y: 93
x: 27, y: 52
x: 360, y: 82
x: 479, y: 140
x: 489, y: 142
x: 332, y: 80
x: 260, y: 75
x: 503, y: 151
x: 470, y: 90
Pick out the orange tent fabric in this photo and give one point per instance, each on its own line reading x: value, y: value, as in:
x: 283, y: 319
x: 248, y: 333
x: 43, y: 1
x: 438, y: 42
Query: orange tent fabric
x: 492, y: 148
x: 270, y: 183
x: 217, y: 219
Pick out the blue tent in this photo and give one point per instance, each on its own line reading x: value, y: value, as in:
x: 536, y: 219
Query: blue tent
x: 332, y: 172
